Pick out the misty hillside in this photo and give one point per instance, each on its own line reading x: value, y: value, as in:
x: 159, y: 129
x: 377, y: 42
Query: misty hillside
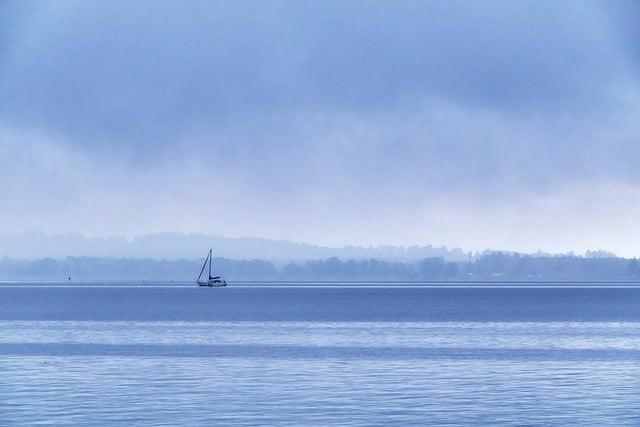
x: 174, y: 246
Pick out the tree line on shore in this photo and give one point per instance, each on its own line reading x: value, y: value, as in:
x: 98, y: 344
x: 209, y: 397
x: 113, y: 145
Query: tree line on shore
x: 488, y: 267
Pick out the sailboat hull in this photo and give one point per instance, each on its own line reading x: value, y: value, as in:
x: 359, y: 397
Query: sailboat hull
x: 213, y: 283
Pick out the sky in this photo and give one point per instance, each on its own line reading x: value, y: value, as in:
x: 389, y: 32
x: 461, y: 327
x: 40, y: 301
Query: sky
x: 486, y: 124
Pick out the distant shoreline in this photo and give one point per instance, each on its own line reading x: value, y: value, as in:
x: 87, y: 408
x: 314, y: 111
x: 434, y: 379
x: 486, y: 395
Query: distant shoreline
x: 494, y: 268
x: 327, y: 284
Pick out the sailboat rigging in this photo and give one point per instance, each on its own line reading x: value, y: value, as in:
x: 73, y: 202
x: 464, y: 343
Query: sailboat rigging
x: 213, y: 281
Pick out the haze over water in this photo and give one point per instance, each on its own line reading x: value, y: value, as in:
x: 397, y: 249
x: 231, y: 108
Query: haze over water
x: 320, y: 140
x: 321, y: 355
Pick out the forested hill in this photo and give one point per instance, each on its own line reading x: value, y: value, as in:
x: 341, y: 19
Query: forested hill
x: 491, y: 267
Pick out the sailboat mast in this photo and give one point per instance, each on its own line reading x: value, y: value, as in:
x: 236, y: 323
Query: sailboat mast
x: 210, y: 260
x: 202, y: 270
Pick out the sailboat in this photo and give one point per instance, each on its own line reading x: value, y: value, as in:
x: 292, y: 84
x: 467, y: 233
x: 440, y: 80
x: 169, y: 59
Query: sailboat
x: 213, y: 281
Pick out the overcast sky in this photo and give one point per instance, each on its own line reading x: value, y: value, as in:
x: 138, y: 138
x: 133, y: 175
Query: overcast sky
x: 480, y: 124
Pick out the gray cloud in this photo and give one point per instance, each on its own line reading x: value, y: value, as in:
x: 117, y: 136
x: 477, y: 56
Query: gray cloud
x: 319, y: 120
x: 146, y: 72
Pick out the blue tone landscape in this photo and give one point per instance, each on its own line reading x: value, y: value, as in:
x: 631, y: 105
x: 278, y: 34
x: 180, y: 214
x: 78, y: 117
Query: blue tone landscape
x: 319, y: 213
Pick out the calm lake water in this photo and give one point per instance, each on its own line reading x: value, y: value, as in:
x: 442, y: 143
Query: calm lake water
x: 319, y: 355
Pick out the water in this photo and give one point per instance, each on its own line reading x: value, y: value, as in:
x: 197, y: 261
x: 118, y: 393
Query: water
x: 321, y: 355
